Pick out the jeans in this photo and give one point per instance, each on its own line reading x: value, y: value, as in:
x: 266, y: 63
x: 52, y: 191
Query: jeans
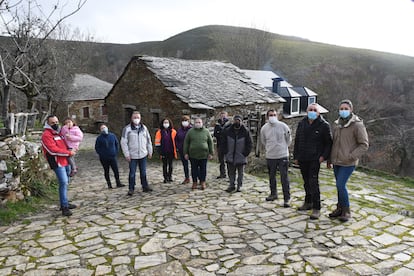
x: 310, y: 175
x: 185, y: 166
x: 142, y: 164
x: 198, y: 169
x: 282, y: 164
x: 62, y: 174
x: 113, y: 164
x: 342, y: 175
x: 231, y: 169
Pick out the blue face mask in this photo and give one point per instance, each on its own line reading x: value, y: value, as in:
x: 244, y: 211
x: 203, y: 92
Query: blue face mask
x: 344, y: 113
x: 312, y: 115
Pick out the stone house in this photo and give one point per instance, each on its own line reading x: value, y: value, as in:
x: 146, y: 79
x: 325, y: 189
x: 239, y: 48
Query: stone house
x: 85, y: 102
x: 169, y: 87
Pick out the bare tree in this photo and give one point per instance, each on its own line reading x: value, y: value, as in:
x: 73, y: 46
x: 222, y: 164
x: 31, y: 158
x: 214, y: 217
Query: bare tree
x: 24, y: 59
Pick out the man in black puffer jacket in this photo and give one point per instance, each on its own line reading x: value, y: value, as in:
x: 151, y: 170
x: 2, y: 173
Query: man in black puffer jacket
x: 313, y: 143
x: 237, y: 144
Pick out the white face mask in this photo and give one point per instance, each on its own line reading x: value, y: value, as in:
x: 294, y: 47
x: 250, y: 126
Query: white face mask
x: 185, y: 123
x: 198, y: 125
x: 166, y: 125
x: 273, y: 120
x: 136, y: 121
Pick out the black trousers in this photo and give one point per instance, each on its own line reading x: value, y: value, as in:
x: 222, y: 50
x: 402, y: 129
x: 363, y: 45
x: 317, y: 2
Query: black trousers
x: 113, y: 164
x: 310, y: 175
x: 167, y: 166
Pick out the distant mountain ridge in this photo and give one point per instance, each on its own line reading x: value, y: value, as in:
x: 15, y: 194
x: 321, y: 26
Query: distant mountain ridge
x: 381, y: 85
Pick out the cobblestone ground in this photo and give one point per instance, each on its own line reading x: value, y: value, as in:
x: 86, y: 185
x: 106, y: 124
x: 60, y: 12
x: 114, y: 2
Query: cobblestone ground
x: 176, y: 231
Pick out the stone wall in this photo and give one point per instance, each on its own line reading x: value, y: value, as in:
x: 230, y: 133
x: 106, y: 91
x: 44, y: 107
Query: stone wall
x: 20, y: 160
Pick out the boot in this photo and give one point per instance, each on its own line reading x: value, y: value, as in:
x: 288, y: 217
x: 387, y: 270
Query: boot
x: 186, y: 181
x: 203, y: 185
x: 119, y: 184
x: 194, y: 186
x: 337, y: 212
x: 230, y: 189
x: 345, y: 215
x: 271, y: 197
x: 66, y: 212
x: 305, y: 206
x: 109, y: 185
x: 315, y: 214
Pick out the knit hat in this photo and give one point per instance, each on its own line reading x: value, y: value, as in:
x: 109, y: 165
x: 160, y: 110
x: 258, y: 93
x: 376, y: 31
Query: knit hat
x: 348, y: 102
x: 237, y: 117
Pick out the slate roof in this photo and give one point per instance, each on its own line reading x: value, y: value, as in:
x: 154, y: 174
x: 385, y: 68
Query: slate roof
x: 208, y: 84
x: 265, y: 78
x: 86, y: 87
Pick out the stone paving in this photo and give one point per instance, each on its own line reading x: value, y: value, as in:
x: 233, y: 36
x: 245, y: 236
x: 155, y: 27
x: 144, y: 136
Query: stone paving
x: 177, y: 231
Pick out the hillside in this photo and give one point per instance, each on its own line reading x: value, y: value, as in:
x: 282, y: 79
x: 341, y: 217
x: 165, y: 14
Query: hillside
x: 381, y: 85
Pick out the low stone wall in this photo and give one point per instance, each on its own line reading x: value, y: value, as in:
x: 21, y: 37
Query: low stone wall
x: 19, y: 160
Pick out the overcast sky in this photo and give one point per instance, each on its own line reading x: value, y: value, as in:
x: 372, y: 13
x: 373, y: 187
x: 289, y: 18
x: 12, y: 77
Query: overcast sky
x: 383, y: 25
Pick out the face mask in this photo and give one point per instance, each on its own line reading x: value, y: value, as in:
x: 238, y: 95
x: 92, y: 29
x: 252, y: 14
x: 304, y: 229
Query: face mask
x: 312, y: 115
x: 344, y: 113
x: 198, y: 125
x: 166, y: 125
x: 136, y: 121
x: 236, y: 125
x: 104, y: 130
x: 185, y: 123
x: 273, y: 120
x: 55, y: 127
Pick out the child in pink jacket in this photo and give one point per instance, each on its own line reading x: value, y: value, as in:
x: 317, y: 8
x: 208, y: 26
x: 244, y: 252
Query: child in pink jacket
x: 73, y: 136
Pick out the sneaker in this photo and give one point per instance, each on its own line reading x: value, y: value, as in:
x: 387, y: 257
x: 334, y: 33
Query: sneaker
x: 130, y: 192
x: 286, y: 204
x: 66, y: 212
x: 271, y: 197
x: 315, y: 214
x: 230, y: 189
x: 72, y: 173
x: 146, y: 189
x: 70, y: 206
x: 186, y: 181
x: 305, y: 207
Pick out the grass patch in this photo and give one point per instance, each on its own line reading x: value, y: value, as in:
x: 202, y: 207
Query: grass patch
x: 406, y: 181
x: 11, y: 212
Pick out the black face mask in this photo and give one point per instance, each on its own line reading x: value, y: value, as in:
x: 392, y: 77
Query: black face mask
x: 236, y: 125
x: 55, y: 127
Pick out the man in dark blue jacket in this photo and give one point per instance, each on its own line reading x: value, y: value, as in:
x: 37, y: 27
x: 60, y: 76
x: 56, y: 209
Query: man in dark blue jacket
x: 313, y: 143
x: 237, y: 145
x: 107, y: 147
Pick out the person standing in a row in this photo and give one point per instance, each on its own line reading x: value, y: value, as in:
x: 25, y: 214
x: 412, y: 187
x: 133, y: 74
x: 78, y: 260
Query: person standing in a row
x: 165, y: 145
x: 237, y: 145
x: 276, y: 137
x: 136, y: 146
x: 350, y: 142
x: 179, y: 142
x: 313, y: 142
x: 107, y: 147
x: 222, y: 124
x: 198, y: 148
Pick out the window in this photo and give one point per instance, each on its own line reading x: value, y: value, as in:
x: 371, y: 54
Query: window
x: 104, y: 110
x: 85, y: 112
x: 311, y: 100
x: 294, y: 106
x: 155, y: 120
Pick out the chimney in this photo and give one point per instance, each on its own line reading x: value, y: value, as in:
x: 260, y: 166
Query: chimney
x: 276, y: 85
